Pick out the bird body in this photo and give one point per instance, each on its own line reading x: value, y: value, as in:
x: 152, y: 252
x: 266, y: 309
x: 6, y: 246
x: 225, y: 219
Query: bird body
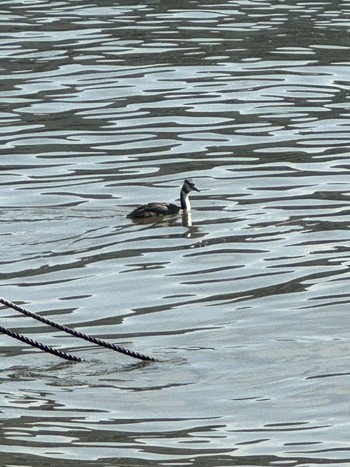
x: 166, y: 209
x: 155, y: 209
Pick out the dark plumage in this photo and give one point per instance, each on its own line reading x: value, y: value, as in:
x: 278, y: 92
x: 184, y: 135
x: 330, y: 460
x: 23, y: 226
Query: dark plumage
x: 166, y: 209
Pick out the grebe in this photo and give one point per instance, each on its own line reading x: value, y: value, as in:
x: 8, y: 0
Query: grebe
x: 166, y: 209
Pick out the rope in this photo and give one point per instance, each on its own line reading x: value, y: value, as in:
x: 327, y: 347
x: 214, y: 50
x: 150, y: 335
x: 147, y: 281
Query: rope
x: 79, y: 334
x: 39, y: 345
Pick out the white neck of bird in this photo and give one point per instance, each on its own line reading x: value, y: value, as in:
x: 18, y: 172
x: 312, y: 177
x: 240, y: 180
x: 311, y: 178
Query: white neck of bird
x: 185, y: 201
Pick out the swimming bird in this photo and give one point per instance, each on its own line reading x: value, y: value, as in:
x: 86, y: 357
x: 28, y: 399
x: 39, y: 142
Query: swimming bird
x: 166, y: 209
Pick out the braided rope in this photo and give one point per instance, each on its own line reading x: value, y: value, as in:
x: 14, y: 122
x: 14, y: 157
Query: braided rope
x: 79, y: 334
x: 39, y: 345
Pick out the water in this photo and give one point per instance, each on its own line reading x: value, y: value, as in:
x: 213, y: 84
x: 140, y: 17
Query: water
x: 108, y: 105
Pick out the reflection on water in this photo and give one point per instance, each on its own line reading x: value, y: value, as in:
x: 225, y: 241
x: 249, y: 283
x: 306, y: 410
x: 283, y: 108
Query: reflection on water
x: 244, y: 300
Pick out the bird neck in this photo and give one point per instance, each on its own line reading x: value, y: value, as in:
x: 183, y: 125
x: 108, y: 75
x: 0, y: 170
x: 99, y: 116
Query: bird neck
x: 185, y: 201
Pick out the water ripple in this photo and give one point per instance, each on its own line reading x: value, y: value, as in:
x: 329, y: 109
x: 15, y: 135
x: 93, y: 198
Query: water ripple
x: 244, y: 302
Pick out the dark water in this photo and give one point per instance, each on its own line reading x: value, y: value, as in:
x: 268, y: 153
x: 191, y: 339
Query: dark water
x: 246, y: 305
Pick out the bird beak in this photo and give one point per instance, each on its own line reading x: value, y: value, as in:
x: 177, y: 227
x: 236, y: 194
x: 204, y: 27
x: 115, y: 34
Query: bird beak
x: 195, y: 189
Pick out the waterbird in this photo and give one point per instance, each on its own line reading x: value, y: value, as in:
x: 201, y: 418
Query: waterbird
x: 166, y: 209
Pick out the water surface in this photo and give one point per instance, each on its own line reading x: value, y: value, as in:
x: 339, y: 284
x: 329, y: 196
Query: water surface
x: 245, y: 304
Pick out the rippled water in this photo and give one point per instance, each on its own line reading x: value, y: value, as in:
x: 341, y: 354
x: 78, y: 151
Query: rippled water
x: 108, y: 105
